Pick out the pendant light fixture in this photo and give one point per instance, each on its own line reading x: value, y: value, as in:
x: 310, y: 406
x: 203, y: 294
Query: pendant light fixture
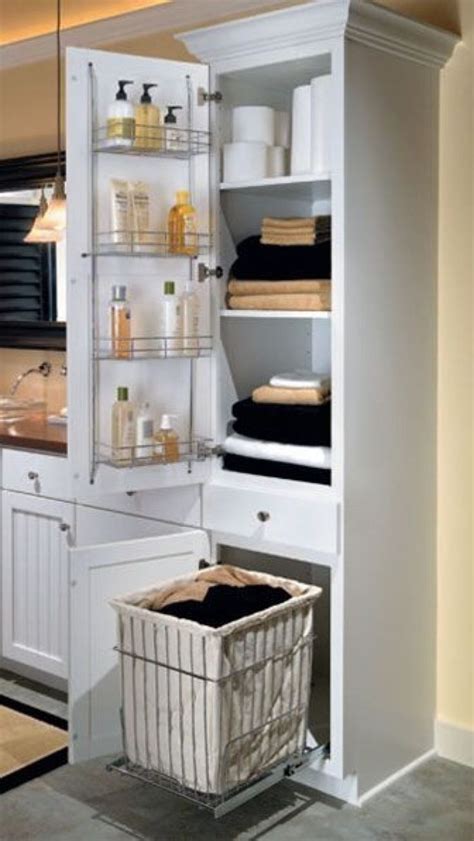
x: 51, y: 220
x: 38, y: 234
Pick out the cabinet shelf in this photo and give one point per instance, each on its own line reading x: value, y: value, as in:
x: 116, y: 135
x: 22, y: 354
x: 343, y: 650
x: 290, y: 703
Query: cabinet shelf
x: 155, y: 142
x: 198, y: 449
x: 316, y: 314
x: 154, y: 347
x: 307, y: 187
x: 145, y: 244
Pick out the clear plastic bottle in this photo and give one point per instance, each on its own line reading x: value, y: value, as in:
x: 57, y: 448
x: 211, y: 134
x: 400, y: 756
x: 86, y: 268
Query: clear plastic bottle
x: 182, y: 226
x: 121, y: 118
x: 148, y: 134
x: 167, y: 441
x: 190, y: 320
x: 120, y: 323
x: 171, y: 322
x: 145, y: 438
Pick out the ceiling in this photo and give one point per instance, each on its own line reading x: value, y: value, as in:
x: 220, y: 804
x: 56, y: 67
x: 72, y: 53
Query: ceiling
x: 29, y: 18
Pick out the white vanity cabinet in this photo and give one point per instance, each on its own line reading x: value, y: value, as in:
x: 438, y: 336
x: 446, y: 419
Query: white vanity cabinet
x: 35, y: 581
x: 371, y: 531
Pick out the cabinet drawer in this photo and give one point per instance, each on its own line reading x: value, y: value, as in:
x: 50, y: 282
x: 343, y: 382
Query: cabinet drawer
x: 292, y: 520
x: 35, y: 473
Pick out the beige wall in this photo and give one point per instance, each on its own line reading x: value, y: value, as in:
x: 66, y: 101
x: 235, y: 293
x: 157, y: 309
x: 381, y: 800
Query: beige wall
x: 27, y: 126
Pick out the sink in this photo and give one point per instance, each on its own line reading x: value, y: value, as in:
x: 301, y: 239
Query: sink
x: 13, y: 410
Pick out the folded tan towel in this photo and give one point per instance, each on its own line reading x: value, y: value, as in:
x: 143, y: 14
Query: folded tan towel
x: 277, y: 287
x: 316, y: 301
x: 290, y: 396
x: 285, y: 240
x: 298, y: 222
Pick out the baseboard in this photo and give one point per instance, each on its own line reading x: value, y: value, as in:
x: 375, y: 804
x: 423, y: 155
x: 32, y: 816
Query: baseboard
x: 396, y: 776
x: 455, y: 743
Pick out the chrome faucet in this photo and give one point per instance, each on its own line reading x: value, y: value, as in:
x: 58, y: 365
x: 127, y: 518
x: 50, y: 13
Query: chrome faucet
x: 44, y: 369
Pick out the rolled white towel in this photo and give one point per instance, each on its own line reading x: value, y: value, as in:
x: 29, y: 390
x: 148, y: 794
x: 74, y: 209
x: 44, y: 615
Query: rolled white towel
x: 301, y: 379
x: 305, y: 456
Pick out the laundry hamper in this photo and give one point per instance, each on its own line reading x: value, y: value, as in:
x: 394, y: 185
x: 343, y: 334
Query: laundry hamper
x: 213, y: 708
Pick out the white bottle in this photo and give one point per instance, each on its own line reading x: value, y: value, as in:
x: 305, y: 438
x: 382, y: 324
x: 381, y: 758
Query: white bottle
x: 190, y: 320
x: 175, y: 140
x: 145, y: 432
x: 123, y: 428
x: 121, y: 118
x: 171, y: 327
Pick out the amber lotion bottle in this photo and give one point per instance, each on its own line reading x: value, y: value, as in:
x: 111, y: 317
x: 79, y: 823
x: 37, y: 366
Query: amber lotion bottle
x: 120, y: 323
x: 182, y: 226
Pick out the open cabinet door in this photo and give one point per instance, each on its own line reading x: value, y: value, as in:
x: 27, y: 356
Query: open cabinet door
x: 98, y: 573
x: 168, y: 370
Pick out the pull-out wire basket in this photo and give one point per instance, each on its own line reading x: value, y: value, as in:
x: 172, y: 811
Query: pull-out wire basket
x: 215, y: 716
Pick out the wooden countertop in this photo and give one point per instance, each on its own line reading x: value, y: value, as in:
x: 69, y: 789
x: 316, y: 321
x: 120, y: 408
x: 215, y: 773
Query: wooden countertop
x: 34, y: 433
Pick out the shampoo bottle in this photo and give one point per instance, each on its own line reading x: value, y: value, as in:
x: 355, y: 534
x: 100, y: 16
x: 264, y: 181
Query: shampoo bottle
x: 175, y: 140
x: 148, y: 134
x: 120, y: 346
x: 123, y: 428
x: 167, y: 441
x: 120, y: 118
x: 182, y: 226
x: 190, y: 320
x: 171, y: 325
x: 145, y: 432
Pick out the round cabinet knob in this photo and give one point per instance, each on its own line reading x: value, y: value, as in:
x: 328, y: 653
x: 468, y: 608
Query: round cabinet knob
x: 64, y: 527
x: 263, y: 516
x: 32, y: 475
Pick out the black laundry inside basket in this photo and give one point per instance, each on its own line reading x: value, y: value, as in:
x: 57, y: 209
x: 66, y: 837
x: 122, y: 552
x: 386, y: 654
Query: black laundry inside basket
x: 223, y: 604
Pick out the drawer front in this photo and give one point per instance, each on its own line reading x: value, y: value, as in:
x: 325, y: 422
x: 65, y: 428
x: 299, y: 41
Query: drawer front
x: 297, y: 521
x: 36, y: 473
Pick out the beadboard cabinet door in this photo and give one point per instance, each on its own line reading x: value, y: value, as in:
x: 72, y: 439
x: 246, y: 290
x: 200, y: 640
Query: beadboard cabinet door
x: 34, y: 581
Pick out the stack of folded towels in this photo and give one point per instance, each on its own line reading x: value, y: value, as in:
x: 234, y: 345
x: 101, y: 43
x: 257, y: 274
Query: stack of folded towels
x: 283, y: 430
x: 288, y: 267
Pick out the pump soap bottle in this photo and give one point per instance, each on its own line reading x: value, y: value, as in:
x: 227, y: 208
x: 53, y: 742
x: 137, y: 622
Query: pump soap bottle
x: 175, y: 140
x: 182, y: 226
x: 148, y: 134
x: 123, y: 428
x: 120, y: 118
x: 167, y: 441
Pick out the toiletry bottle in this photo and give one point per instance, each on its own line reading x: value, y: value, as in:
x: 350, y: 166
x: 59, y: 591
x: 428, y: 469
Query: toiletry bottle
x: 175, y: 139
x: 171, y: 324
x: 145, y: 432
x: 119, y: 308
x: 120, y: 118
x: 123, y: 428
x: 190, y: 320
x: 182, y: 226
x: 148, y: 134
x: 167, y: 441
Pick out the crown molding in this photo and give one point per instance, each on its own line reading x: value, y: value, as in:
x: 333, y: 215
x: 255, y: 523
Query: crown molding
x: 168, y: 17
x: 356, y: 20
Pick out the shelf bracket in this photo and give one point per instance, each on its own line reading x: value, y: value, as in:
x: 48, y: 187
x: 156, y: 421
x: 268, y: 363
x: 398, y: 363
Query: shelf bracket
x: 204, y: 272
x: 204, y: 96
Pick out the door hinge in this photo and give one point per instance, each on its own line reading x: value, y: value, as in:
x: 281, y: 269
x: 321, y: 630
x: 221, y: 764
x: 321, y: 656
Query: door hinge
x: 204, y: 96
x: 204, y: 272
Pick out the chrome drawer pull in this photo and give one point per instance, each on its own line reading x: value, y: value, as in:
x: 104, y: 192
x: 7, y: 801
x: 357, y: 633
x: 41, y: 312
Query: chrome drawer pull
x: 263, y: 516
x: 32, y: 475
x: 64, y: 527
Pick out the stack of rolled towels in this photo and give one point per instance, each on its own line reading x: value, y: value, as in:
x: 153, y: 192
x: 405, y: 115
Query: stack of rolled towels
x: 288, y: 267
x: 284, y: 429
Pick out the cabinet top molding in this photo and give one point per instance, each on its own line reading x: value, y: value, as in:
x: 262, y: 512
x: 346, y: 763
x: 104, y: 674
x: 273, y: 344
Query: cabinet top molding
x: 318, y: 21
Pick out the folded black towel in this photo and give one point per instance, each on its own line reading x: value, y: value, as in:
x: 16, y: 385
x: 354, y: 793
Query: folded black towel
x: 223, y: 604
x: 276, y: 469
x: 304, y: 425
x: 277, y: 262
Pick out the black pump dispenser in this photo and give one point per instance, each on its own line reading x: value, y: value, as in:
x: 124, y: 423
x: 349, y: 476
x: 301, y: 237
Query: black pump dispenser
x: 145, y: 97
x: 122, y: 93
x: 170, y: 118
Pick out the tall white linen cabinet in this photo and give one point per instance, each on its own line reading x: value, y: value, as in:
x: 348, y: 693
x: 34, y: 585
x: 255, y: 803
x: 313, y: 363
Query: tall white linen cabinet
x: 368, y: 538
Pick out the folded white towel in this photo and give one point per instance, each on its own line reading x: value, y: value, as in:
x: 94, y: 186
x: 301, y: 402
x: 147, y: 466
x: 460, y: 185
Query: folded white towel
x: 301, y: 379
x: 240, y: 445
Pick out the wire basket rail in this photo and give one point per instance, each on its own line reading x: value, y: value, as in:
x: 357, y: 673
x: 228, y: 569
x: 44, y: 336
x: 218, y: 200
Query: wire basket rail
x: 155, y: 454
x: 154, y: 347
x: 154, y: 142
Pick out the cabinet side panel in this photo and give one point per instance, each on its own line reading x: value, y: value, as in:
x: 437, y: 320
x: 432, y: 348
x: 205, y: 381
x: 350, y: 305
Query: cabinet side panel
x: 391, y: 128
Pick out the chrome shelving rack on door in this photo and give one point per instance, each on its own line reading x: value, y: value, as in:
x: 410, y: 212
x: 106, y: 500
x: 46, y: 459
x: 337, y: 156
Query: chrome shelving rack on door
x: 188, y: 145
